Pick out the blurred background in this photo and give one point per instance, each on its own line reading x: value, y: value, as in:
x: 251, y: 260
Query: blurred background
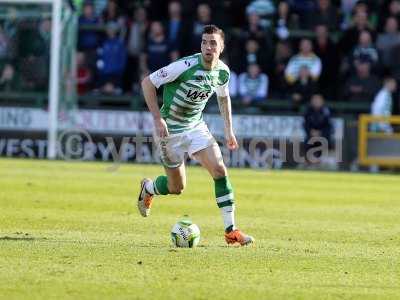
x: 299, y: 69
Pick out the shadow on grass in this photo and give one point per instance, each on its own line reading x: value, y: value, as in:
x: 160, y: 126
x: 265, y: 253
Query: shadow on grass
x: 27, y: 238
x: 11, y: 238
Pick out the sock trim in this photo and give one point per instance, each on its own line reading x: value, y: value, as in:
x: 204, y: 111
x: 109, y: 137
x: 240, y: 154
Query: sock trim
x: 225, y: 198
x: 229, y: 228
x: 225, y: 203
x: 155, y: 188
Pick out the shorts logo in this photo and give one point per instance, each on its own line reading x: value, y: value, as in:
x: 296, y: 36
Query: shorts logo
x: 187, y: 63
x: 162, y: 73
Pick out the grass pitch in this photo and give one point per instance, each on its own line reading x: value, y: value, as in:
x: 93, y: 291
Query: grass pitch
x: 71, y: 230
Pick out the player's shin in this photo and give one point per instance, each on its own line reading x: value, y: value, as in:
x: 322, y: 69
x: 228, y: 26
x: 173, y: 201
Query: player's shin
x: 225, y: 202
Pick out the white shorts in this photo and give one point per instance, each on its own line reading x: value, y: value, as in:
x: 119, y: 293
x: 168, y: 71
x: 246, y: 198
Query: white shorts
x: 173, y: 148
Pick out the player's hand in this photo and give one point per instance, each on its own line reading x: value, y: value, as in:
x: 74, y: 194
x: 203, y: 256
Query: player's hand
x: 161, y: 127
x: 231, y: 141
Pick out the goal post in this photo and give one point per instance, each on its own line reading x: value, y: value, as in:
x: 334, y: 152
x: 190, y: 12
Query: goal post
x: 62, y: 97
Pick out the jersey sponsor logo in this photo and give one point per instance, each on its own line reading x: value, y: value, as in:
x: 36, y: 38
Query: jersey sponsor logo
x: 162, y: 73
x: 197, y: 95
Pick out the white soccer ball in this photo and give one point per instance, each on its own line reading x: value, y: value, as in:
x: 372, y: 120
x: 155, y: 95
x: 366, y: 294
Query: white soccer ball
x: 185, y: 234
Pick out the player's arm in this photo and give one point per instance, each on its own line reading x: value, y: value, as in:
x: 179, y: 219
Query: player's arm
x: 154, y: 81
x: 150, y: 96
x: 224, y: 103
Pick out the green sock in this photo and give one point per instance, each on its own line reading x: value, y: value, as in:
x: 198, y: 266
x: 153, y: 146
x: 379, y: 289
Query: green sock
x: 161, y: 185
x: 224, y: 196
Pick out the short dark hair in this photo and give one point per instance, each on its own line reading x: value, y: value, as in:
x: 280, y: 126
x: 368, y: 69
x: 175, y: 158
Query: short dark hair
x: 211, y: 29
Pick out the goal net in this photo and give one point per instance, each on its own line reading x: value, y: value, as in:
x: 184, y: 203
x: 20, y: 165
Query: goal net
x: 37, y: 47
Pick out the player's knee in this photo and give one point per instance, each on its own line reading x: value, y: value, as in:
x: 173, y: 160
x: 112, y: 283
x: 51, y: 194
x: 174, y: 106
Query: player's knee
x: 219, y: 171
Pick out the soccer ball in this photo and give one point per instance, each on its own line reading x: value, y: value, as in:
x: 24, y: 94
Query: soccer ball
x: 185, y: 234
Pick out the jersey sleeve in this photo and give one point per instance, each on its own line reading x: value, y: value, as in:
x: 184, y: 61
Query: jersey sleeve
x: 169, y: 73
x: 223, y: 90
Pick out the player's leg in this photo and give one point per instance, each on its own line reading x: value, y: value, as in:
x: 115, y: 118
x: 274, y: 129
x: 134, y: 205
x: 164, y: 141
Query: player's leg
x: 211, y: 159
x: 174, y: 180
x: 172, y: 183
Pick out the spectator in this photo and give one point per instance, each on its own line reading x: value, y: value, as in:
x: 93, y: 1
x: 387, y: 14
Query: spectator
x: 382, y: 105
x: 283, y: 52
x: 45, y: 35
x: 317, y: 125
x: 235, y: 11
x: 136, y: 45
x: 193, y: 36
x: 34, y: 73
x: 98, y: 6
x: 174, y: 25
x: 303, y: 88
x: 84, y: 76
x: 88, y: 39
x: 362, y: 86
x: 233, y: 84
x: 111, y: 58
x: 233, y: 80
x: 32, y: 58
x: 368, y: 7
x: 158, y: 52
x: 306, y: 57
x: 252, y: 55
x: 253, y: 85
x: 328, y: 52
x: 112, y: 13
x: 392, y: 10
x: 4, y: 45
x: 365, y: 50
x: 346, y: 9
x: 303, y: 10
x: 156, y: 9
x: 283, y: 21
x: 265, y: 9
x: 8, y: 79
x: 326, y: 14
x: 254, y: 30
x: 351, y: 35
x: 29, y: 41
x: 388, y: 41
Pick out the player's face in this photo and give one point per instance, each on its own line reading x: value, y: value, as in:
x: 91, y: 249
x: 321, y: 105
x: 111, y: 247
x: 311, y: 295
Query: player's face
x: 211, y: 46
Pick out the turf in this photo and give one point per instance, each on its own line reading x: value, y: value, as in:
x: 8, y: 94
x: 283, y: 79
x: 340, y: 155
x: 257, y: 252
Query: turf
x: 71, y: 230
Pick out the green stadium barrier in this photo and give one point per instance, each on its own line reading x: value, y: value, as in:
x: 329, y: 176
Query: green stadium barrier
x: 136, y: 102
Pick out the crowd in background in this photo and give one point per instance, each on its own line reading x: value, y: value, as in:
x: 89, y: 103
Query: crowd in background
x: 275, y: 49
x: 290, y: 49
x: 24, y: 54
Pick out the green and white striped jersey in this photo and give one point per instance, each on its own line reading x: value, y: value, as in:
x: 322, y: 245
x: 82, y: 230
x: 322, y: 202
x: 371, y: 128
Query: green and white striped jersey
x: 187, y: 88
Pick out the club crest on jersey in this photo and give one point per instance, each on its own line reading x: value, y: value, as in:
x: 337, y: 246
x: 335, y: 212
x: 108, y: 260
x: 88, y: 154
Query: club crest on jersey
x: 162, y: 73
x: 197, y: 95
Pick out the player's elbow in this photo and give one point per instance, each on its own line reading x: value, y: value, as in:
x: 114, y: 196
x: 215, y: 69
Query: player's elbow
x: 145, y: 82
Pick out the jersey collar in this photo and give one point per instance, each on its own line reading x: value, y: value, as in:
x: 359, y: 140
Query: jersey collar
x: 203, y: 65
